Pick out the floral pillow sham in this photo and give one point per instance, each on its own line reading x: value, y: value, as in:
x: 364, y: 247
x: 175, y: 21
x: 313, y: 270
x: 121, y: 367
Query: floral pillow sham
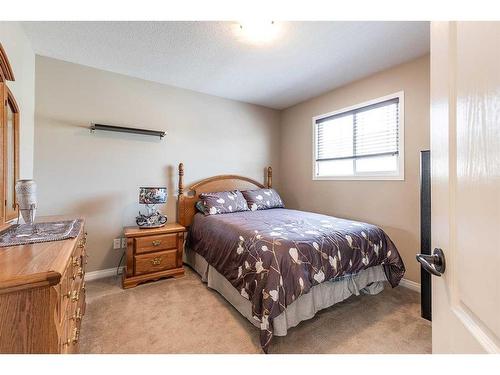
x: 263, y: 199
x: 223, y: 202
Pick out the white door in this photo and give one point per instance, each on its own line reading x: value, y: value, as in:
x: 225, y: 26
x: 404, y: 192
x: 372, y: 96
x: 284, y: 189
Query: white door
x: 465, y: 160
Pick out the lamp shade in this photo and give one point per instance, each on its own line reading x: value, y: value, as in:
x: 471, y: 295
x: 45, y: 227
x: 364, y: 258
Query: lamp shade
x: 152, y: 195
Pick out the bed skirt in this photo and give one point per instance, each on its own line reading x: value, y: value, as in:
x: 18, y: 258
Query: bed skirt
x: 321, y: 296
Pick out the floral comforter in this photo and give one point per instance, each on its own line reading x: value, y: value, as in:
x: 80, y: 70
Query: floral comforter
x: 274, y: 256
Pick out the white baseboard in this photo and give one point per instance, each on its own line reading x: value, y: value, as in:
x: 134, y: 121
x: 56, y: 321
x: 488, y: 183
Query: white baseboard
x: 101, y: 274
x: 410, y: 285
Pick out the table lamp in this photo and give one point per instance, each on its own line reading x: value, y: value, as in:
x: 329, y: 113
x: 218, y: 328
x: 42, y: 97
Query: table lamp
x: 151, y: 196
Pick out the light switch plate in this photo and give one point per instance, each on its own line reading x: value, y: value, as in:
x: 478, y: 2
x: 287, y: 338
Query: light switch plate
x: 124, y: 243
x: 117, y: 243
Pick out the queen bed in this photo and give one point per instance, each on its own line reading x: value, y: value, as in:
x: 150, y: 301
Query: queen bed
x: 278, y: 266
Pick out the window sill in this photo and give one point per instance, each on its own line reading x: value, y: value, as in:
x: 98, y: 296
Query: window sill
x: 358, y: 178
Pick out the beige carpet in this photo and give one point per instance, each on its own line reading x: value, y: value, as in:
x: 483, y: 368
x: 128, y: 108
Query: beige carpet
x: 184, y: 316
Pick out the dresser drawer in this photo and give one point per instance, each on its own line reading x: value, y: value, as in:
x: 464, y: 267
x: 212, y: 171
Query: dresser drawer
x: 77, y: 308
x: 155, y: 243
x: 64, y: 287
x: 154, y: 262
x: 70, y: 344
x: 64, y: 336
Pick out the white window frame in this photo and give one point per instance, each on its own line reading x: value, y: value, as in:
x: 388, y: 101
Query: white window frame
x: 398, y: 175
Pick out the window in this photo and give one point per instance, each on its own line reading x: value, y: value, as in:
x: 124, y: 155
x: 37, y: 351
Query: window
x: 364, y: 142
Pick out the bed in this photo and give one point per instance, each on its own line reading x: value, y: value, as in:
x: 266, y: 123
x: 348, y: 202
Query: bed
x: 278, y: 266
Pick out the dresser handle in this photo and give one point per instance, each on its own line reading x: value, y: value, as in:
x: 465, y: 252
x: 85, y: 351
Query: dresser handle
x: 74, y: 339
x: 157, y: 243
x: 78, y: 315
x: 79, y: 273
x: 83, y: 240
x: 75, y: 296
x: 76, y: 335
x: 156, y: 261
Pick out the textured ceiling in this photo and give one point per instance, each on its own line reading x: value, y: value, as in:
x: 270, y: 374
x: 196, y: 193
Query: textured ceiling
x: 307, y: 59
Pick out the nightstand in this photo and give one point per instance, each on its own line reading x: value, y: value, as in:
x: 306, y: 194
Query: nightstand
x: 153, y: 253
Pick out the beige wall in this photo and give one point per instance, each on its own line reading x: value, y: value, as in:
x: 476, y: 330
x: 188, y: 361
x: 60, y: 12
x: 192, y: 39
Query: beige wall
x: 392, y: 205
x: 22, y: 60
x: 98, y: 175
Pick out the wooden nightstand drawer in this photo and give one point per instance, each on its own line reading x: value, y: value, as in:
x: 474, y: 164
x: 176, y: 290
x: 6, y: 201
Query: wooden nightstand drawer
x: 155, y: 243
x: 154, y: 262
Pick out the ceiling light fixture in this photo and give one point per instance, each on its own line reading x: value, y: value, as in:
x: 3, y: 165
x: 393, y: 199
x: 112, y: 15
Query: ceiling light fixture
x: 258, y: 32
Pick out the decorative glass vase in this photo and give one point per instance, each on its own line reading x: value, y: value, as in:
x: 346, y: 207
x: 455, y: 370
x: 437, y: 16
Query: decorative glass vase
x: 26, y: 200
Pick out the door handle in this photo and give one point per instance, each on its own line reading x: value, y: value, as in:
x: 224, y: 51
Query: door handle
x: 435, y: 264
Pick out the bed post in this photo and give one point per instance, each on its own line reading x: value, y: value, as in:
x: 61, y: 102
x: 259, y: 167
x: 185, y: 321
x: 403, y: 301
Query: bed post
x: 181, y: 214
x: 269, y: 177
x: 181, y: 178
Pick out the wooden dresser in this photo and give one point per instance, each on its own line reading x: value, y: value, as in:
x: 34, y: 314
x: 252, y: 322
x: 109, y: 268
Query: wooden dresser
x: 42, y: 295
x: 153, y: 253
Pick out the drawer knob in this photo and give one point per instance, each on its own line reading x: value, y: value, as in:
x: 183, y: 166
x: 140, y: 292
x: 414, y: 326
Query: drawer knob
x: 156, y: 261
x: 156, y: 243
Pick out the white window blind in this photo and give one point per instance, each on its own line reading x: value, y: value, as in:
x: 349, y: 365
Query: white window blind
x: 364, y: 141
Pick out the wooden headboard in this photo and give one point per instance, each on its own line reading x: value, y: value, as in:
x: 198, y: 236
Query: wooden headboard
x: 187, y: 200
